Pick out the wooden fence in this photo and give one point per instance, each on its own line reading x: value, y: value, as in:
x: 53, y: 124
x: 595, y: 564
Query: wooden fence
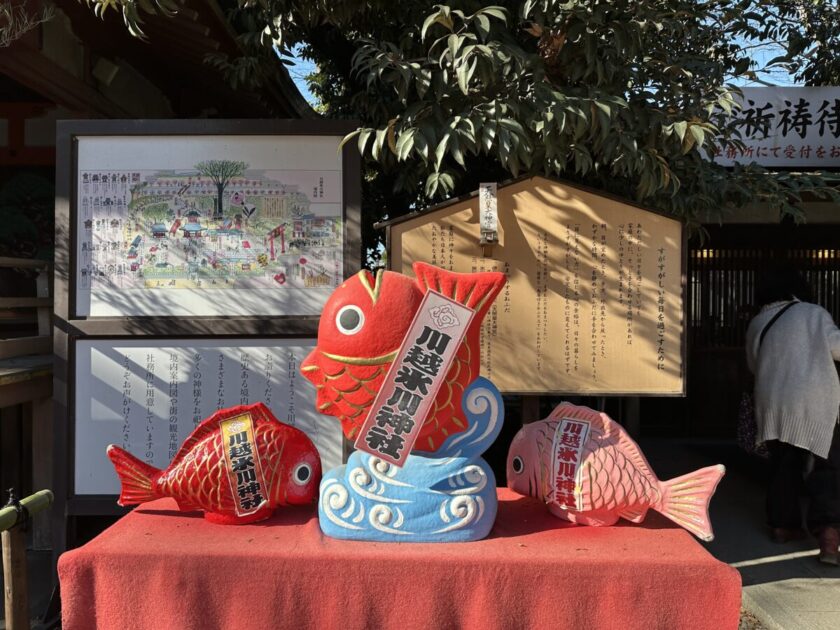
x: 722, y: 284
x: 26, y: 367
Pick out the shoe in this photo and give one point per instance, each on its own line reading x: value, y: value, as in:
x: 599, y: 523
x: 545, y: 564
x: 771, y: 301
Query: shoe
x: 829, y: 542
x: 783, y: 535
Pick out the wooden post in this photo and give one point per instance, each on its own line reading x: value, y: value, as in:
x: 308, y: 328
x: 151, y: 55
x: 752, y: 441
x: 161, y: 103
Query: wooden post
x: 10, y: 447
x: 16, y: 587
x: 42, y: 465
x: 42, y: 285
x: 530, y: 408
x: 630, y: 416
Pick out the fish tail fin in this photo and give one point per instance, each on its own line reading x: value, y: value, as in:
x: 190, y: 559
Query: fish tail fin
x: 685, y: 500
x: 137, y: 478
x: 474, y: 290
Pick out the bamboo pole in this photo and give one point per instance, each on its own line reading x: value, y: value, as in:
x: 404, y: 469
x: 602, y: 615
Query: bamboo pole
x: 34, y: 504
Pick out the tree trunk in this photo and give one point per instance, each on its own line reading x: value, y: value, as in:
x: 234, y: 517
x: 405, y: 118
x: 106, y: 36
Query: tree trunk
x: 221, y: 189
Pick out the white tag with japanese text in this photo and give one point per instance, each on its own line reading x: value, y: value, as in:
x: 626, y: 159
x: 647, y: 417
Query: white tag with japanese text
x: 414, y: 378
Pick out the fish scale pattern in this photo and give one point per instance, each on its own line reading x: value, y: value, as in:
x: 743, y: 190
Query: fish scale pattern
x: 206, y: 463
x: 610, y: 480
x: 447, y: 416
x: 197, y: 480
x: 351, y: 389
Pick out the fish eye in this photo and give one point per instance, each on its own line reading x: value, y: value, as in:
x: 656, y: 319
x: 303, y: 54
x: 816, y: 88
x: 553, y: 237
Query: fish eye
x: 350, y: 319
x: 518, y: 465
x: 301, y: 474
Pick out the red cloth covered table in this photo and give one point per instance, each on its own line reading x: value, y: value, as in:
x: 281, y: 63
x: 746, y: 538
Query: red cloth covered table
x: 158, y: 568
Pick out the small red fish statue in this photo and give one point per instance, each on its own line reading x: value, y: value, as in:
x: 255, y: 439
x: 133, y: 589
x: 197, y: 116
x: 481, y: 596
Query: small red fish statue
x: 237, y: 466
x: 362, y: 326
x: 588, y: 470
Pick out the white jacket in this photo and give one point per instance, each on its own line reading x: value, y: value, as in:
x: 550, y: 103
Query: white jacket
x: 797, y: 393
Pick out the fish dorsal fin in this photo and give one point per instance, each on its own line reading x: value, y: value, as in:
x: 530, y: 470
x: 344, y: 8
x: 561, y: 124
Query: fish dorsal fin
x: 212, y: 424
x: 610, y: 432
x: 474, y: 290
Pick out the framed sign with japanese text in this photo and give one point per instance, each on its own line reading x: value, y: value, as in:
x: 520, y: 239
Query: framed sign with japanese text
x: 593, y: 302
x: 225, y: 222
x: 147, y: 396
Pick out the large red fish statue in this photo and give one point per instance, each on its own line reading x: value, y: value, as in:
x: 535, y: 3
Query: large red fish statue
x: 237, y: 466
x: 442, y: 490
x: 361, y: 328
x: 588, y: 470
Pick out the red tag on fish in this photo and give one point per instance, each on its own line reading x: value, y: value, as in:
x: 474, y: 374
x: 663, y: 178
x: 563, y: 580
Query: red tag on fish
x: 414, y: 378
x: 243, y: 464
x: 569, y: 440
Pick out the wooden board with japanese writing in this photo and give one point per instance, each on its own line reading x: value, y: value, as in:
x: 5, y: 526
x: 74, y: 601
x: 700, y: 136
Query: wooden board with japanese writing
x: 594, y: 298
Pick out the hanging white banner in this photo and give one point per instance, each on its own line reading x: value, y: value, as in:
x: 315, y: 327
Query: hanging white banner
x: 788, y: 127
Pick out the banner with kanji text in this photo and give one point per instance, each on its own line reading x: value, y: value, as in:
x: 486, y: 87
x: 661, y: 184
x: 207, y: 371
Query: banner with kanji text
x: 787, y: 127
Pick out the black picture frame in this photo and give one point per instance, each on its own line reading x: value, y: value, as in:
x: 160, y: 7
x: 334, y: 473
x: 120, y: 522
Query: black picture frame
x: 69, y: 327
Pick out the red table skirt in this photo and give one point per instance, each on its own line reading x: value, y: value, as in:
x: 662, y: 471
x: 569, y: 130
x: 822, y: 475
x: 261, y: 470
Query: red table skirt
x: 157, y: 568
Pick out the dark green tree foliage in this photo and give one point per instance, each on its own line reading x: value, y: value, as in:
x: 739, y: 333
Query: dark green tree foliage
x: 220, y: 173
x: 628, y: 96
x: 813, y: 41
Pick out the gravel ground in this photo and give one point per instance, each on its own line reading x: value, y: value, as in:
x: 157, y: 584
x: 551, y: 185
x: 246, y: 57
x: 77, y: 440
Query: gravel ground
x: 749, y: 622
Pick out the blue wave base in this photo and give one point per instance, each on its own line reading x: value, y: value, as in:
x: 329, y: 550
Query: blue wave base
x: 446, y: 496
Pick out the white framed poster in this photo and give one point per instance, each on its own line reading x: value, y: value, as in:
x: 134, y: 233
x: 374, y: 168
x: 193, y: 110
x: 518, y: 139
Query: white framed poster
x: 207, y: 225
x: 147, y: 396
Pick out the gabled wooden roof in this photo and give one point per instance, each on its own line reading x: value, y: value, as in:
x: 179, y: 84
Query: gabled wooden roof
x: 455, y: 200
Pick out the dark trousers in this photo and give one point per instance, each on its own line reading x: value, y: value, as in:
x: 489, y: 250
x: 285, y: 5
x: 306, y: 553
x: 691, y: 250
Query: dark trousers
x: 788, y: 485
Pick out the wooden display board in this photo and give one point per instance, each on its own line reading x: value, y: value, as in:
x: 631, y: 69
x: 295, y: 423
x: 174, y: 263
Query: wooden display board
x: 148, y: 395
x: 193, y: 258
x: 594, y: 299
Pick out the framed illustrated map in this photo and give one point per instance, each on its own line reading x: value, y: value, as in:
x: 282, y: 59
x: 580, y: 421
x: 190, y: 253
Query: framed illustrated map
x: 193, y: 258
x: 207, y: 224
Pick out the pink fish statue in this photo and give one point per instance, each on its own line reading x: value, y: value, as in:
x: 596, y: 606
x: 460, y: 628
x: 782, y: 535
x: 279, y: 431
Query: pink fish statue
x: 588, y: 470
